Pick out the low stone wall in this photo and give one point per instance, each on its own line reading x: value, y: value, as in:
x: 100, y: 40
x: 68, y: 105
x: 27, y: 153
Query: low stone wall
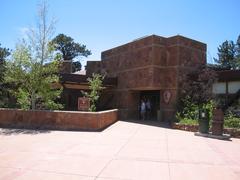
x: 57, y: 120
x: 194, y: 128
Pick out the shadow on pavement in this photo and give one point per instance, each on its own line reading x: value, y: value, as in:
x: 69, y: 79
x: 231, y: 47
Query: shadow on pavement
x: 150, y: 123
x: 9, y: 131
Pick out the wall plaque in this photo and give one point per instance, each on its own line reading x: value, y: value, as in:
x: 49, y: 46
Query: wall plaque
x: 167, y: 96
x: 83, y: 104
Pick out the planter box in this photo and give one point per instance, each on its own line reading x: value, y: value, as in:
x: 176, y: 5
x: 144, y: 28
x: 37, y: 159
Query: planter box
x: 57, y: 120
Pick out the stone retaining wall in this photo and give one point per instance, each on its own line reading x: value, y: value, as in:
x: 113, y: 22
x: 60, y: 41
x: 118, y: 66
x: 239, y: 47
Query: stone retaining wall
x: 57, y: 120
x: 194, y: 128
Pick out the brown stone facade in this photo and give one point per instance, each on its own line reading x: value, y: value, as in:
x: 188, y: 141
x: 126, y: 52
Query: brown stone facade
x: 57, y: 120
x: 151, y: 64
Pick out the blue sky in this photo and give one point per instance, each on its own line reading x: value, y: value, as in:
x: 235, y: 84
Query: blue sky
x: 104, y: 24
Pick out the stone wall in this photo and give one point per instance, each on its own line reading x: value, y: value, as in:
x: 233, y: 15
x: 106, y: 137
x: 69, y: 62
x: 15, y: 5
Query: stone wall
x: 57, y: 120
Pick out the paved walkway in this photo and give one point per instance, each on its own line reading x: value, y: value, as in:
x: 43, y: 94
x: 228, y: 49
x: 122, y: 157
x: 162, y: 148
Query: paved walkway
x: 123, y: 151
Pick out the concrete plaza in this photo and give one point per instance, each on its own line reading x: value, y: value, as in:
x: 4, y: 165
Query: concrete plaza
x: 125, y: 150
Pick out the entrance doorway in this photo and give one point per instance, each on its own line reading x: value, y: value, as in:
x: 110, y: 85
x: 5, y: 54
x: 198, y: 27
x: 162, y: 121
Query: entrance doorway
x: 153, y: 96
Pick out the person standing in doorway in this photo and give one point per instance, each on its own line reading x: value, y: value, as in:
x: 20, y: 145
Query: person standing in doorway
x: 143, y: 110
x: 148, y: 109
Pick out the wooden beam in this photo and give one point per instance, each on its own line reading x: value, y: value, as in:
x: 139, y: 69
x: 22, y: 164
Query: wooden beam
x: 76, y: 86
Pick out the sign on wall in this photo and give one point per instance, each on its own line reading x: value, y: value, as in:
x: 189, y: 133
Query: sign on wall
x: 166, y: 96
x: 83, y: 104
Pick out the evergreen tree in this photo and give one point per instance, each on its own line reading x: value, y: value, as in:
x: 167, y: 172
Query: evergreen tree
x: 70, y: 50
x: 4, y: 53
x: 229, y: 55
x: 226, y: 54
x: 237, y: 58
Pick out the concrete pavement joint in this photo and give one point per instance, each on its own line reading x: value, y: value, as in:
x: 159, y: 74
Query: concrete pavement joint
x: 218, y: 151
x: 55, y: 172
x: 125, y: 144
x: 222, y: 154
x: 168, y: 158
x: 118, y: 152
x: 113, y: 178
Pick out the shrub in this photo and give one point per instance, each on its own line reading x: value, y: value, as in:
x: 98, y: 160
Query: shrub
x: 95, y: 85
x: 231, y: 121
x: 189, y: 114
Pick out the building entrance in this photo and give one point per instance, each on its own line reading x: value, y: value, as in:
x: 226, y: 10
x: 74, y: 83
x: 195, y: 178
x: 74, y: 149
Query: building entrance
x: 152, y: 98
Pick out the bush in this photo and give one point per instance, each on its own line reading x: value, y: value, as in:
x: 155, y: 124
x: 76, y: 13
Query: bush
x: 187, y: 121
x: 231, y: 121
x: 189, y: 110
x: 95, y: 86
x: 189, y: 113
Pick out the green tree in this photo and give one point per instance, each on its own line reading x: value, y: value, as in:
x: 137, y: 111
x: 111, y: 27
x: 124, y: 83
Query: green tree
x: 226, y: 54
x: 70, y: 50
x: 229, y: 55
x: 237, y: 57
x: 76, y: 66
x: 4, y: 53
x: 95, y: 85
x: 196, y: 92
x: 33, y: 69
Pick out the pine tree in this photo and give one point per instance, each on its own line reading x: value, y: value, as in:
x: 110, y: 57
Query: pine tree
x: 229, y: 55
x: 70, y: 50
x: 226, y: 54
x: 4, y: 53
x: 237, y: 58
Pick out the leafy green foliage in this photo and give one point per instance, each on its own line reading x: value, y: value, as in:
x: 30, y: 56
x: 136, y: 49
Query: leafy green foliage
x: 190, y: 111
x: 95, y: 85
x: 69, y: 49
x: 23, y: 99
x: 226, y: 53
x: 229, y: 54
x: 237, y: 56
x: 187, y: 121
x: 33, y: 80
x: 231, y: 121
x: 76, y: 66
x: 4, y: 53
x: 32, y: 69
x: 198, y: 85
x: 196, y: 95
